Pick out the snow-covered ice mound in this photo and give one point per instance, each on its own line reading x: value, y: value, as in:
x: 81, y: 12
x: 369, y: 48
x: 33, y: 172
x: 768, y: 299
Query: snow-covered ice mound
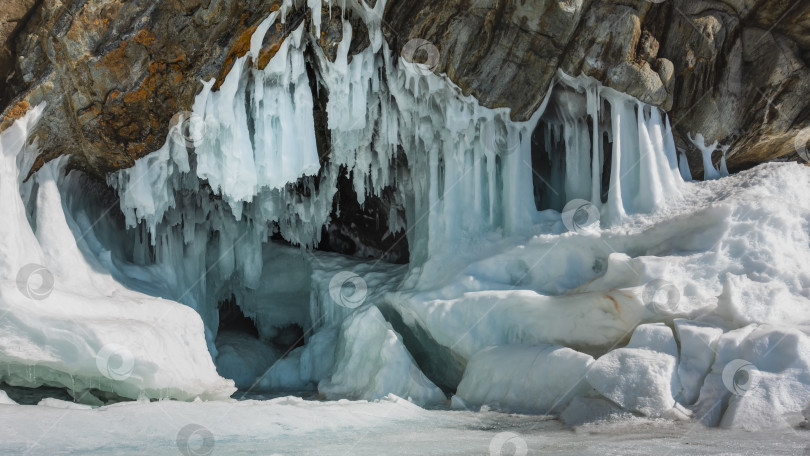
x: 66, y: 321
x: 708, y: 313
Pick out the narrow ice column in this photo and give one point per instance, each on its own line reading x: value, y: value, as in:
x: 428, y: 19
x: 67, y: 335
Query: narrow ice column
x: 629, y: 172
x: 661, y: 134
x: 578, y: 175
x: 650, y: 175
x: 615, y: 206
x: 517, y: 183
x: 683, y: 166
x: 709, y: 171
x: 594, y: 102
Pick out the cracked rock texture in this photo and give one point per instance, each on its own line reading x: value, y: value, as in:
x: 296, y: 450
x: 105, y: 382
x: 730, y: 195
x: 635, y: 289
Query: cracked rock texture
x: 115, y: 72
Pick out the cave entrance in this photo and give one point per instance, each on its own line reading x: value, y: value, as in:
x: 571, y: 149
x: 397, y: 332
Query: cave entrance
x: 246, y: 349
x: 562, y: 151
x: 288, y: 338
x: 232, y: 319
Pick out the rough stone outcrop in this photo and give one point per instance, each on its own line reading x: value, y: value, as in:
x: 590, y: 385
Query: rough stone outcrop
x: 734, y: 70
x: 115, y: 72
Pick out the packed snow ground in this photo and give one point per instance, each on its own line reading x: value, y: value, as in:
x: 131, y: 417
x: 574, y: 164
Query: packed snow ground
x: 291, y: 427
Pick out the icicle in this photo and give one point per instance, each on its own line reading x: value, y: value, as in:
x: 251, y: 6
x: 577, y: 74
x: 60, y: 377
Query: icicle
x: 594, y: 101
x: 462, y: 183
x: 683, y: 165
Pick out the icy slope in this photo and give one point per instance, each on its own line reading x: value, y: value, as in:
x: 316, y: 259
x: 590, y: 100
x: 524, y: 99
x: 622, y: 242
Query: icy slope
x: 65, y: 321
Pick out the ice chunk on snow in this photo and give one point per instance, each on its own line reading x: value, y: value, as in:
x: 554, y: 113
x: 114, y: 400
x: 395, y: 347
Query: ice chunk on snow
x: 656, y: 337
x: 477, y: 320
x: 697, y: 341
x: 371, y: 362
x: 522, y: 378
x: 636, y: 379
x: 640, y: 377
x: 760, y: 374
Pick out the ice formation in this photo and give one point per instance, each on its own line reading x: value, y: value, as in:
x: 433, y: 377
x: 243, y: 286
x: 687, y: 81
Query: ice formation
x: 69, y: 323
x: 632, y: 301
x: 550, y: 377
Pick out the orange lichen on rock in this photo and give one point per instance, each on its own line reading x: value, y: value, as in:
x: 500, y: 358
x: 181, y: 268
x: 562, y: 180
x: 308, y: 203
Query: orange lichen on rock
x: 17, y: 111
x: 240, y: 47
x: 116, y: 61
x: 267, y: 53
x: 145, y: 37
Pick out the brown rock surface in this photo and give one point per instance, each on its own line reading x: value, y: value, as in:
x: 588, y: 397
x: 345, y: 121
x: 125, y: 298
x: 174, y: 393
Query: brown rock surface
x: 114, y: 72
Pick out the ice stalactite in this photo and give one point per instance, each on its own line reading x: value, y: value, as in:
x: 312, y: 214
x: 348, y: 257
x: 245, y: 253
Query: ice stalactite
x: 587, y: 118
x: 245, y: 165
x: 683, y: 165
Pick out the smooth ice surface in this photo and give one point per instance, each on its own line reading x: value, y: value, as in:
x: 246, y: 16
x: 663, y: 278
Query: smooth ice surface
x: 5, y: 400
x: 291, y: 426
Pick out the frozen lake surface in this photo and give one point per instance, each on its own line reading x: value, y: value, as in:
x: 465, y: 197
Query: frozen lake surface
x: 293, y: 426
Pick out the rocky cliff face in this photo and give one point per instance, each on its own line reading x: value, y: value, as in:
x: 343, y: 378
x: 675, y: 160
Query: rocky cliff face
x: 733, y: 70
x: 115, y: 72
